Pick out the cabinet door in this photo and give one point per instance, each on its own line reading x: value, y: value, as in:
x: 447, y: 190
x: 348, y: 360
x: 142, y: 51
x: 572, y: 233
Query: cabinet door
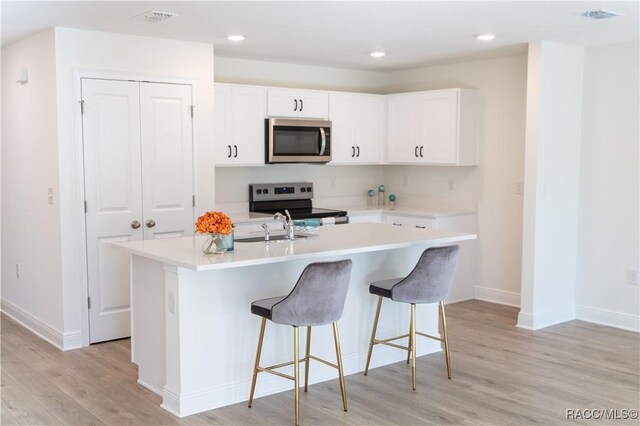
x: 282, y: 103
x: 167, y: 160
x: 113, y: 191
x: 342, y: 111
x: 439, y: 120
x: 223, y: 119
x: 249, y: 113
x: 313, y: 104
x: 404, y: 128
x: 369, y: 129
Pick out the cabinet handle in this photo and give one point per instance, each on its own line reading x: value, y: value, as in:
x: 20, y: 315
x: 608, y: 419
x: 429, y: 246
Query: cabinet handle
x: 358, y: 151
x: 150, y: 223
x: 135, y: 224
x: 397, y: 224
x: 295, y: 108
x: 229, y: 156
x: 421, y: 148
x: 421, y: 227
x: 301, y: 104
x: 415, y: 151
x: 235, y: 147
x: 353, y: 151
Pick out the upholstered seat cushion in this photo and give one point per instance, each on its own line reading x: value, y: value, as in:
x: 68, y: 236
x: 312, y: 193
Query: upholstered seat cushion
x: 383, y: 288
x: 264, y: 307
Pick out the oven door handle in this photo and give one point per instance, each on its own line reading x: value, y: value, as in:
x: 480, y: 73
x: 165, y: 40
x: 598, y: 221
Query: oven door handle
x: 323, y: 139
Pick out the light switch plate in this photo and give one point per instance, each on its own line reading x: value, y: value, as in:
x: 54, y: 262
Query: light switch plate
x: 50, y: 195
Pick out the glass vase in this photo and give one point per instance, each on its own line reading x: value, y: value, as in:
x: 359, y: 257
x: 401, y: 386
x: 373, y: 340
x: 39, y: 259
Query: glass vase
x: 214, y: 244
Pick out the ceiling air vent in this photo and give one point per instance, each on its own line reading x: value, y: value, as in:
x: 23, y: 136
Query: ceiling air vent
x: 600, y: 14
x: 155, y: 16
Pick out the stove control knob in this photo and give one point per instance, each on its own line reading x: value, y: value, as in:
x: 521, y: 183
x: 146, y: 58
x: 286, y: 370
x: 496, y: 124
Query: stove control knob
x: 259, y: 191
x: 303, y: 189
x: 265, y: 191
x: 309, y: 189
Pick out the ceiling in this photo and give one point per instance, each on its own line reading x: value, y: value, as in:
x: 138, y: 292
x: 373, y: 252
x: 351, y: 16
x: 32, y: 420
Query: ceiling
x: 341, y: 33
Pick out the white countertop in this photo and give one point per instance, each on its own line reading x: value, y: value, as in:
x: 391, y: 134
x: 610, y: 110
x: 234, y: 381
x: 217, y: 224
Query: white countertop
x: 331, y: 241
x: 410, y: 211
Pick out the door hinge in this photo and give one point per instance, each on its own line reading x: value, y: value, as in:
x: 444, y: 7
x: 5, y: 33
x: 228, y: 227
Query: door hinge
x: 81, y: 107
x: 88, y: 302
x: 193, y: 107
x: 193, y: 200
x: 86, y: 209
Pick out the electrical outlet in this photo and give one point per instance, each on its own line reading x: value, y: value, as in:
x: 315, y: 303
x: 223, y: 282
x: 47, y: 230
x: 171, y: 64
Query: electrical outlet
x: 632, y: 277
x: 332, y: 182
x: 171, y: 302
x: 405, y: 181
x: 50, y: 195
x: 519, y: 188
x: 17, y: 270
x: 451, y: 184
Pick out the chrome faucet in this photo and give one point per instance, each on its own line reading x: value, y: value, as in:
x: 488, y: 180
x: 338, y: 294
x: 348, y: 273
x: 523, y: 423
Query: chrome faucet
x: 266, y: 232
x: 287, y: 223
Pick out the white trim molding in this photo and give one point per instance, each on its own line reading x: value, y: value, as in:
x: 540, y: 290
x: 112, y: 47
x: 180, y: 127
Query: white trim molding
x: 501, y: 297
x: 615, y: 319
x: 62, y: 341
x: 546, y: 319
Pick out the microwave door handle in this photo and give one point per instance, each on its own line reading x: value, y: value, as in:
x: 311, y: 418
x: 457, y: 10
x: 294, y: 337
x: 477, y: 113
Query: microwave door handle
x: 323, y: 139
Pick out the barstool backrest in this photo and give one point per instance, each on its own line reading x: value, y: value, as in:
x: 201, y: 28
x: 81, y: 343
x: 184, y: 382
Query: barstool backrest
x: 430, y: 280
x: 318, y: 296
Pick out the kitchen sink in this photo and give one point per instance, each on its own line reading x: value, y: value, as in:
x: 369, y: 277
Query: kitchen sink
x: 272, y: 238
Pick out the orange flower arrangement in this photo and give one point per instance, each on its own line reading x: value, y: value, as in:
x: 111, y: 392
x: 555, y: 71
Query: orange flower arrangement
x: 214, y: 223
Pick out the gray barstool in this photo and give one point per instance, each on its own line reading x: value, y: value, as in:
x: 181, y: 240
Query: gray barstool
x: 429, y: 282
x: 317, y: 299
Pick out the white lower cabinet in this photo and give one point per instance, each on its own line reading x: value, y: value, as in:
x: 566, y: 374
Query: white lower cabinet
x: 464, y: 280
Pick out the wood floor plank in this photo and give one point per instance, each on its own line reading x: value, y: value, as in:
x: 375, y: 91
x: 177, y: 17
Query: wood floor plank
x: 502, y: 375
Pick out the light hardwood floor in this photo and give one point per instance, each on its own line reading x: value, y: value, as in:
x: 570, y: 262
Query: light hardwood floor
x: 501, y: 375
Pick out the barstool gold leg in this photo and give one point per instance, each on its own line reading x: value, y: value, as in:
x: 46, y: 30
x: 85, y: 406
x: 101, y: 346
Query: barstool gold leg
x: 445, y: 338
x: 373, y: 334
x: 413, y: 345
x: 296, y: 365
x: 306, y: 359
x: 257, y: 364
x: 336, y: 339
x: 409, y: 351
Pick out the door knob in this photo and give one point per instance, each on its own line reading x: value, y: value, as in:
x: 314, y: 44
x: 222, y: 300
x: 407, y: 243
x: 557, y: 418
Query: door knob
x: 150, y: 223
x: 135, y: 224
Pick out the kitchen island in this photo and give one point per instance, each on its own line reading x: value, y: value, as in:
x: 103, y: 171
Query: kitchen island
x: 194, y: 338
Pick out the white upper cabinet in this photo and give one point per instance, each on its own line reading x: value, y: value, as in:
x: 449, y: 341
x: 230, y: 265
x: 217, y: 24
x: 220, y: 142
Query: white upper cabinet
x: 240, y: 112
x: 357, y: 127
x: 438, y: 127
x: 298, y: 103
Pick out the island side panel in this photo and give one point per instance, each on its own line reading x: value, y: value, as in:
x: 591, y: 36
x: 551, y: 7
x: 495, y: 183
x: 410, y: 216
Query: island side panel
x: 148, y: 321
x: 212, y: 336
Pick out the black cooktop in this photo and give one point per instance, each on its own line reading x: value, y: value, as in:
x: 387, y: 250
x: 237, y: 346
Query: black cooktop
x: 308, y: 213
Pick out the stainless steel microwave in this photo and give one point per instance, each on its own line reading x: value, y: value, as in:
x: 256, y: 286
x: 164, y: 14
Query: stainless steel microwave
x: 297, y: 141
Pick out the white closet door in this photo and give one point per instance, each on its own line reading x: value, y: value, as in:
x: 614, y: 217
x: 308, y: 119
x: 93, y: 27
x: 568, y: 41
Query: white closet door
x: 111, y: 132
x: 167, y: 160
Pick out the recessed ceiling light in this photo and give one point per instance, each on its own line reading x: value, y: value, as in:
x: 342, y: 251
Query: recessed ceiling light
x: 235, y: 37
x: 377, y: 54
x: 485, y: 37
x: 601, y: 14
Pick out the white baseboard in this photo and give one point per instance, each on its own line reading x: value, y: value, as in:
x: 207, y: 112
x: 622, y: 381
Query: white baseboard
x: 62, y: 341
x: 546, y: 319
x: 501, y: 297
x: 610, y: 318
x: 183, y: 404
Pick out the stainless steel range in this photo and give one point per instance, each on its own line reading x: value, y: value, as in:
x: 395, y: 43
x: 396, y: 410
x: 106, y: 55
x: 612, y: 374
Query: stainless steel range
x: 271, y: 198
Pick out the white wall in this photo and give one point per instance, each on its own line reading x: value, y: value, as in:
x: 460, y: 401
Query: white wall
x: 502, y: 86
x: 552, y: 184
x: 268, y: 73
x: 136, y: 57
x: 609, y: 187
x: 31, y: 226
